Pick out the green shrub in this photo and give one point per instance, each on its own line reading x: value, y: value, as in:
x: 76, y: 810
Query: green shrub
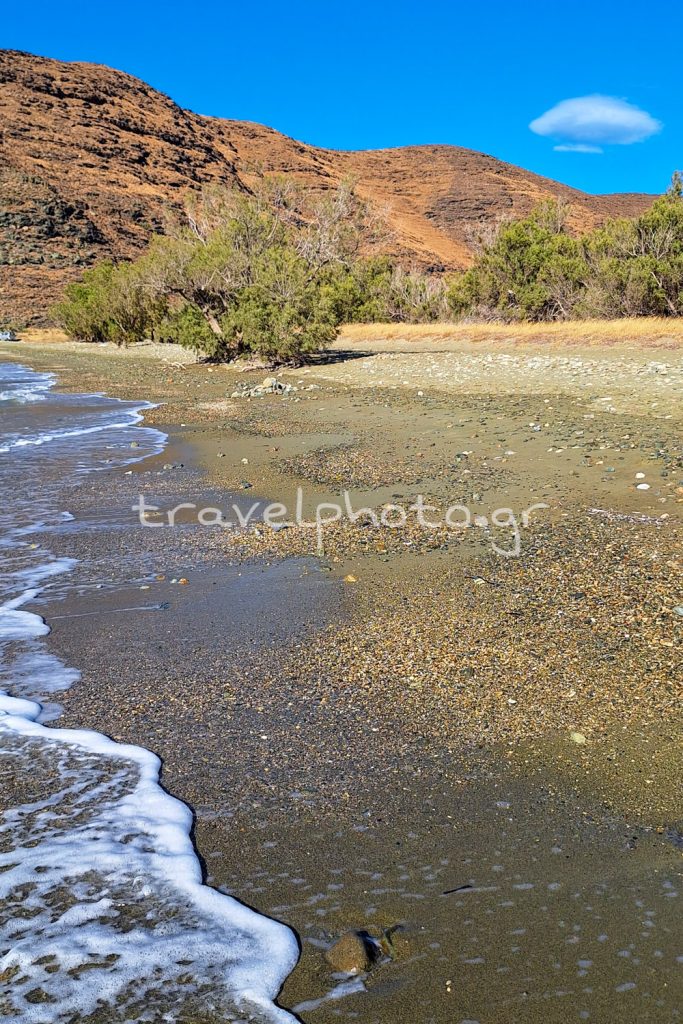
x: 534, y: 270
x: 284, y: 314
x: 109, y: 304
x: 188, y: 327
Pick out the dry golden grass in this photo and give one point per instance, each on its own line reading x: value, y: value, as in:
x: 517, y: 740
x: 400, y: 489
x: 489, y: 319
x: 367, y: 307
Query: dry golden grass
x: 648, y: 332
x: 42, y: 335
x: 658, y: 332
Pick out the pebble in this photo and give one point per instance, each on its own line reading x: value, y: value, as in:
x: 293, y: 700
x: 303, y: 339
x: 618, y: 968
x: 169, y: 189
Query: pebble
x: 353, y: 953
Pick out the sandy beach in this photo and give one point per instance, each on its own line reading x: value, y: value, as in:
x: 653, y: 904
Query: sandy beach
x: 382, y: 726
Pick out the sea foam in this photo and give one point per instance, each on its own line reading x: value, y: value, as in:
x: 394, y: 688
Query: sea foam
x: 102, y: 907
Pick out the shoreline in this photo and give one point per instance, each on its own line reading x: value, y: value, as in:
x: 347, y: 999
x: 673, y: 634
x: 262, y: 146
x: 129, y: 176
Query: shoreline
x: 386, y: 778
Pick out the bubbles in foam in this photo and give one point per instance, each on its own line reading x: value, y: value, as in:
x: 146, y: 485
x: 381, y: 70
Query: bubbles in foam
x: 113, y: 909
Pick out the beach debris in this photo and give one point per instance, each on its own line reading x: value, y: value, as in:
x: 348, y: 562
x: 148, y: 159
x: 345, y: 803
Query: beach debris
x: 353, y: 953
x: 270, y: 386
x: 350, y: 579
x: 183, y: 581
x: 394, y: 942
x: 478, y: 580
x: 578, y: 738
x: 625, y: 517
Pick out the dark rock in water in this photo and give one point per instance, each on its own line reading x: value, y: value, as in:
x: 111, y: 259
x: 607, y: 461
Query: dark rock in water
x: 353, y: 953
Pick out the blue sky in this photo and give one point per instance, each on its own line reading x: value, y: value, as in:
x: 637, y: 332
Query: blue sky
x: 357, y: 75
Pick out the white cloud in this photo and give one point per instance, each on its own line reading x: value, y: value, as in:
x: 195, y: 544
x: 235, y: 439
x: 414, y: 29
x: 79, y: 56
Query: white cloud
x: 577, y: 147
x: 592, y: 121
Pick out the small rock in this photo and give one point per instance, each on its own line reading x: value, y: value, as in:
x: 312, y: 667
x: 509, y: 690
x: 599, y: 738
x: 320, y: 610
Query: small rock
x: 353, y: 953
x: 270, y: 386
x: 577, y: 737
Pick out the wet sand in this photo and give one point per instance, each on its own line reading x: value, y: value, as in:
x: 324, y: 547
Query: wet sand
x: 352, y: 750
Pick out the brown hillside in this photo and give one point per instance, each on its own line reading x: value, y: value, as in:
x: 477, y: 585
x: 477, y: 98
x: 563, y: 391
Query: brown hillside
x: 92, y: 161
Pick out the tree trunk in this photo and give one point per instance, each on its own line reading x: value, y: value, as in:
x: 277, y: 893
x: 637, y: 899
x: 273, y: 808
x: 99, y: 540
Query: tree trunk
x: 212, y: 321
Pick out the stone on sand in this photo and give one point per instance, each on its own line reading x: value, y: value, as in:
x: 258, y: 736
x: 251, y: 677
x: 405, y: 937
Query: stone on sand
x: 353, y: 953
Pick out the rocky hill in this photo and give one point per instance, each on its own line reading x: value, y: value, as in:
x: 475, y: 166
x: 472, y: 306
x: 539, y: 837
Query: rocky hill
x: 92, y: 161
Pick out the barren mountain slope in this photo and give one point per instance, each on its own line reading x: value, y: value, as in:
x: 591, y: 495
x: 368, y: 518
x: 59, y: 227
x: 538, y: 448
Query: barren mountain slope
x: 92, y: 161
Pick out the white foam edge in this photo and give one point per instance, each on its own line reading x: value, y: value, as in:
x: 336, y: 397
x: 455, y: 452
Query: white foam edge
x: 168, y: 821
x: 25, y: 442
x: 44, y: 386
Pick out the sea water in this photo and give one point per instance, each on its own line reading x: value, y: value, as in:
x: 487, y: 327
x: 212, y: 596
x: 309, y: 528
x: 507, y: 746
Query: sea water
x: 103, y: 914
